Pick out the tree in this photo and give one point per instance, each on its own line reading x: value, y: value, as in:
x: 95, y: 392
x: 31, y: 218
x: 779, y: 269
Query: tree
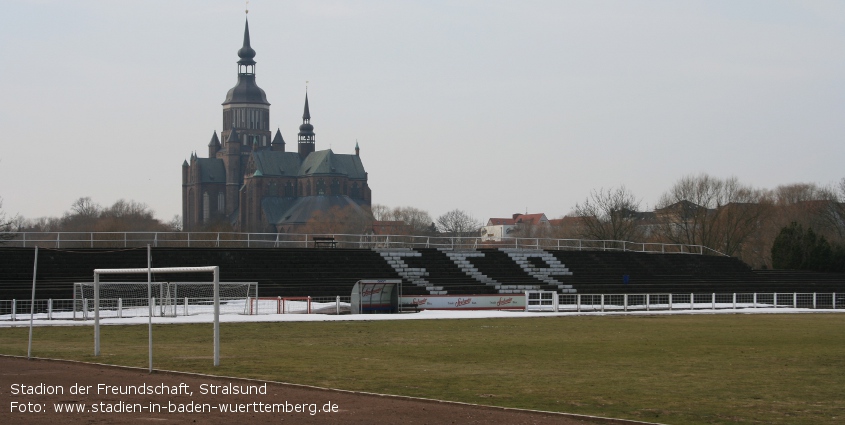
x: 718, y: 214
x: 337, y: 220
x: 5, y: 226
x: 417, y: 221
x: 610, y: 214
x: 458, y: 223
x: 799, y: 249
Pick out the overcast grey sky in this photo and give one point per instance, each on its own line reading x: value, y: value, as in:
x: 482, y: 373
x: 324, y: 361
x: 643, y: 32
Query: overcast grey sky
x: 487, y: 106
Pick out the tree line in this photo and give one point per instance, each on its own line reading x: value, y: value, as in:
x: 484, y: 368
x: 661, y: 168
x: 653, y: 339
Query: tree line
x: 792, y: 226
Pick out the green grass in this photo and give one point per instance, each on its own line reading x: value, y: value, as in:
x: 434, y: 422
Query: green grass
x: 773, y: 369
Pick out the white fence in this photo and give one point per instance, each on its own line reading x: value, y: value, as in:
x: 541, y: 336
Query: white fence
x: 83, y: 309
x: 60, y: 240
x: 693, y: 301
x: 68, y: 309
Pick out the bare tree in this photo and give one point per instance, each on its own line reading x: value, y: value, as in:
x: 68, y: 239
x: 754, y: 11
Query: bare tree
x: 337, y: 220
x: 458, y: 223
x: 5, y: 226
x: 610, y: 214
x: 417, y: 220
x: 381, y: 212
x: 718, y: 214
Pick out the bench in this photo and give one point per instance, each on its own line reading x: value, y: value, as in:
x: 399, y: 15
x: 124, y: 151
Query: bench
x: 324, y: 242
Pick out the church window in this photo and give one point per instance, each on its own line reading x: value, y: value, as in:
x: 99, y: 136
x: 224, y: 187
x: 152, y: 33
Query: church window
x: 221, y: 202
x: 289, y: 190
x: 321, y: 187
x: 335, y: 188
x: 205, y: 207
x: 356, y: 191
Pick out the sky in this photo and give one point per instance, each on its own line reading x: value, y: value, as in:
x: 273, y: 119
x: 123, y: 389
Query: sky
x: 491, y: 107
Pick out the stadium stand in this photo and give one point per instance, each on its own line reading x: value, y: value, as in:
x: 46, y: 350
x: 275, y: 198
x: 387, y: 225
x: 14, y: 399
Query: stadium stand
x: 332, y: 272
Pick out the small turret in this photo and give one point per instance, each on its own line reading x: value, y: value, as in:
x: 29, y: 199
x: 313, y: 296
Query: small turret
x: 213, y: 145
x: 278, y: 143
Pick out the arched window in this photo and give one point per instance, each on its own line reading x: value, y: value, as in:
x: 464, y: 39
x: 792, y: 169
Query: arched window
x: 356, y: 192
x: 205, y: 207
x: 221, y: 202
x: 289, y: 190
x: 321, y: 187
x: 335, y: 187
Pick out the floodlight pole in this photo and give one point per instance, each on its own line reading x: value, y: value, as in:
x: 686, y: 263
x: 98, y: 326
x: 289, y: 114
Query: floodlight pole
x: 150, y: 302
x: 96, y: 314
x: 32, y: 304
x: 216, y: 316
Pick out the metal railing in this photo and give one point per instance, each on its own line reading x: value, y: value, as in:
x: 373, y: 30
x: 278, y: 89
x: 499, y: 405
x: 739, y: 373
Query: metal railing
x: 68, y: 309
x: 83, y: 309
x: 69, y: 240
x: 696, y: 301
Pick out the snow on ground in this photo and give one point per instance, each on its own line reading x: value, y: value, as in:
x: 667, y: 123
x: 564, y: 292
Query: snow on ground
x: 23, y: 319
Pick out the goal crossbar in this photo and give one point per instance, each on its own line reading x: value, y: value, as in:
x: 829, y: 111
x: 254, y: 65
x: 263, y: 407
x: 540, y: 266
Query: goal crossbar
x: 204, y: 269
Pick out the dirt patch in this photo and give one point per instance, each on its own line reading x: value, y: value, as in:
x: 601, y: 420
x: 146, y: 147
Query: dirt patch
x: 42, y: 392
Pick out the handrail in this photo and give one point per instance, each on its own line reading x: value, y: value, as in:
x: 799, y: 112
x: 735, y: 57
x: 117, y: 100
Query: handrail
x: 70, y: 240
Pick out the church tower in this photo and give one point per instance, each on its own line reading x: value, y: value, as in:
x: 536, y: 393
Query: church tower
x: 306, y: 132
x: 246, y: 108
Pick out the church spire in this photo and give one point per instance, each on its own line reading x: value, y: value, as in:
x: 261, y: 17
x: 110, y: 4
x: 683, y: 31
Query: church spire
x: 246, y: 54
x: 306, y: 132
x: 306, y: 115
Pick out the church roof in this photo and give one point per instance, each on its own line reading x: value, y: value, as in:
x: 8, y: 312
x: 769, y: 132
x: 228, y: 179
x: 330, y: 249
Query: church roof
x: 328, y: 162
x: 246, y: 91
x: 212, y: 170
x: 274, y: 163
x: 287, y: 211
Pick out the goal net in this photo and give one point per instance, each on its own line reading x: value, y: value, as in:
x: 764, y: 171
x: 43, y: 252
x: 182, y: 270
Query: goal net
x: 169, y: 299
x: 280, y: 305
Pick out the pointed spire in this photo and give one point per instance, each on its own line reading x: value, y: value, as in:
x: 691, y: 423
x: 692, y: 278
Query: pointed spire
x: 278, y: 139
x: 233, y: 136
x: 357, y: 149
x: 215, y: 142
x: 306, y: 115
x: 246, y: 53
x: 184, y: 163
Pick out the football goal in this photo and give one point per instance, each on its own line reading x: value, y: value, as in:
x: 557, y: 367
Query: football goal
x: 168, y: 299
x: 215, y: 270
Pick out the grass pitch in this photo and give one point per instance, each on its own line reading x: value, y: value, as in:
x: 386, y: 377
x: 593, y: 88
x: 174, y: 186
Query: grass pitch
x: 685, y: 369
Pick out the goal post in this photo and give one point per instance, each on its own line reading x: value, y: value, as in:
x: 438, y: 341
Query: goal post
x: 130, y: 299
x: 207, y: 269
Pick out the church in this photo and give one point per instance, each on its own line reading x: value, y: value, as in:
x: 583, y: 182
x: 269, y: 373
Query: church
x: 252, y: 182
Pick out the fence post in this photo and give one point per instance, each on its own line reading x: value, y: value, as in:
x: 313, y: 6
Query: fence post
x: 670, y: 302
x: 49, y: 309
x: 794, y: 300
x: 814, y: 300
x: 834, y: 300
x: 186, y: 306
x: 309, y: 304
x: 578, y: 302
x: 338, y: 305
x: 714, y: 301
x: 14, y: 308
x: 647, y: 302
x: 754, y: 300
x: 625, y: 302
x: 602, y: 303
x: 692, y: 301
x: 120, y: 308
x: 775, y: 299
